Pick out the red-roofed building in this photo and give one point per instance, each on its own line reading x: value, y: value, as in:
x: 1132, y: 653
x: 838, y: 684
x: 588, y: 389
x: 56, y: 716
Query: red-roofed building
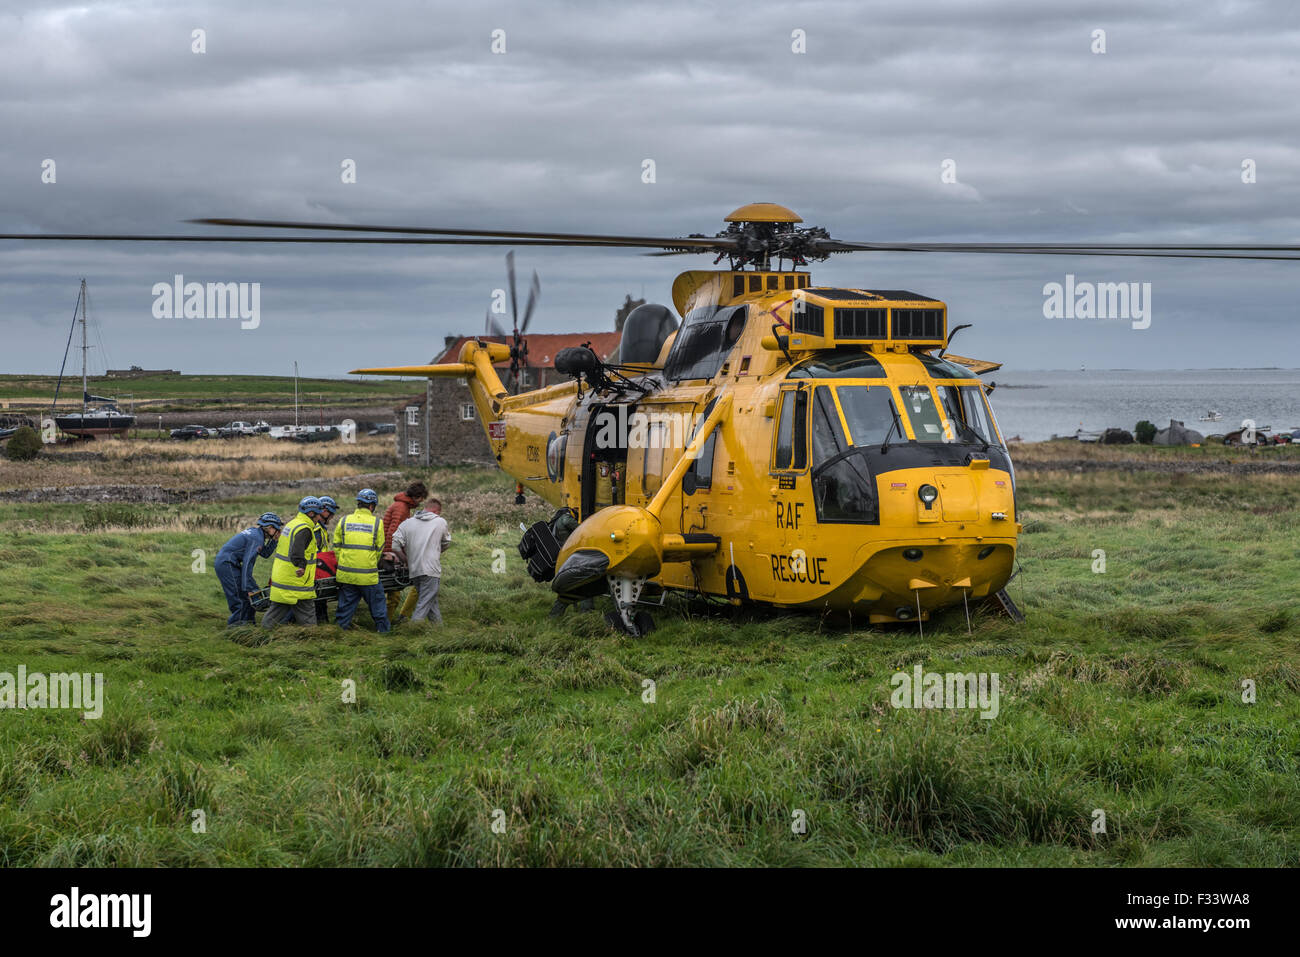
x: 542, y: 348
x: 452, y: 435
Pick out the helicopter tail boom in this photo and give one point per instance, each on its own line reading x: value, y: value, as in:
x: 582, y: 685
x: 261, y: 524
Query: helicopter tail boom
x: 441, y: 370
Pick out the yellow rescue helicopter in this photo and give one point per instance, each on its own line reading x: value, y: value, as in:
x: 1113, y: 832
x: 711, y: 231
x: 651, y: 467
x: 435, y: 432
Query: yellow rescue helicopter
x: 786, y: 444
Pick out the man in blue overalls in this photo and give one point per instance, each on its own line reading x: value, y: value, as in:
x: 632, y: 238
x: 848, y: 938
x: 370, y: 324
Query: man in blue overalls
x: 235, y: 565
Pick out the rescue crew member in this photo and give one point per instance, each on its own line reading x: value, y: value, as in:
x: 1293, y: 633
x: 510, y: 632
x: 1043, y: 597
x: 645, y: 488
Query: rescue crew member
x: 293, y: 570
x: 404, y: 505
x: 359, y: 544
x: 421, y: 540
x: 235, y: 565
x: 329, y: 508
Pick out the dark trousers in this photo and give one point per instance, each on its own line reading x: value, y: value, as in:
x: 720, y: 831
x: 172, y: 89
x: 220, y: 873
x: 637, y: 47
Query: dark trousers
x: 350, y: 596
x: 300, y: 613
x: 241, y: 609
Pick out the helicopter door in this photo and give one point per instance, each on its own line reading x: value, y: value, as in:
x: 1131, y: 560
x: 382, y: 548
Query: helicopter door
x: 793, y: 517
x: 655, y: 442
x: 604, y: 457
x: 697, y: 483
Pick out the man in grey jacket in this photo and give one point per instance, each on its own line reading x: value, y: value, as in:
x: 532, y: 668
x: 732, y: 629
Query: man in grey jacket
x: 420, y: 542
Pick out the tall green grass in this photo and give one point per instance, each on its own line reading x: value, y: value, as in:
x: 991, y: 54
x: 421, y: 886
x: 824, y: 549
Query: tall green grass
x: 1121, y: 694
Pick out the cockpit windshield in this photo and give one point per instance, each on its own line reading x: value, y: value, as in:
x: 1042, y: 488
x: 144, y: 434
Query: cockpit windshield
x: 968, y: 412
x: 845, y: 464
x: 868, y: 412
x: 928, y: 426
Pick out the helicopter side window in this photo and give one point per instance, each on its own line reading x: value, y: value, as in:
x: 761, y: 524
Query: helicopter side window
x: 701, y: 470
x: 868, y: 413
x: 918, y: 403
x: 652, y: 463
x: 705, y: 339
x: 792, y: 432
x: 843, y: 488
x: 978, y: 414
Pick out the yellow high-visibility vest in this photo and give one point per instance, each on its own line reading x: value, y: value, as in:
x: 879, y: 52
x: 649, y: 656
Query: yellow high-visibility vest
x: 358, y: 545
x: 287, y: 586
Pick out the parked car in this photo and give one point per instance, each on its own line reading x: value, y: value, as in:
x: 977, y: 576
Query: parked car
x: 236, y: 429
x: 192, y: 432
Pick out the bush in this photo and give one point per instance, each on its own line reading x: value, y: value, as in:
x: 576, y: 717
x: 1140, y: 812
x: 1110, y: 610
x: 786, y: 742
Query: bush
x: 24, y: 445
x: 1144, y: 432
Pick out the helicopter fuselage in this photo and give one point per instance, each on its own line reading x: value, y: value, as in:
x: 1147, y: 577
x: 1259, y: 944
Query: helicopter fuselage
x: 853, y: 470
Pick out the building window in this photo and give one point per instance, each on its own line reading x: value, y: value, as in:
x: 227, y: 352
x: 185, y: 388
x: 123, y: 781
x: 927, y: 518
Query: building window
x: 413, y: 448
x: 467, y: 411
x: 412, y: 415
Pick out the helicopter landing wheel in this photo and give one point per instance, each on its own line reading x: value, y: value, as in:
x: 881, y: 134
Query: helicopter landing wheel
x: 625, y: 592
x: 642, y: 623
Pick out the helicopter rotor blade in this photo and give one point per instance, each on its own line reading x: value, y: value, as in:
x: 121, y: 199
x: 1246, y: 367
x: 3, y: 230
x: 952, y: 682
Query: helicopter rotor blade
x: 356, y: 240
x: 534, y: 292
x: 1155, y: 251
x: 578, y: 238
x: 514, y: 299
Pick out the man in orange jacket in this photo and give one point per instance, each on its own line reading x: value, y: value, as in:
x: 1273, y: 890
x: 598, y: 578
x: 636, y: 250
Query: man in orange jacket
x: 404, y: 506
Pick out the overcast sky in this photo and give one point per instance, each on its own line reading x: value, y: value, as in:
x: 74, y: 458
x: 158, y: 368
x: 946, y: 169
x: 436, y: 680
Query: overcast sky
x: 1050, y: 141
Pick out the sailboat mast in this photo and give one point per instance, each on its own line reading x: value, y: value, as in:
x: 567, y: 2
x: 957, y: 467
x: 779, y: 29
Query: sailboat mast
x: 85, y: 389
x: 295, y: 395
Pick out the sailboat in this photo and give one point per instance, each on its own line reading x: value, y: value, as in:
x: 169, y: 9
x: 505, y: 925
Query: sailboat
x: 102, y: 418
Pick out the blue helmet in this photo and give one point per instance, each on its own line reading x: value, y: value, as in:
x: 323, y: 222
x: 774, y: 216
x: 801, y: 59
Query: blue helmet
x: 368, y: 496
x: 270, y: 520
x: 329, y: 503
x: 309, y: 505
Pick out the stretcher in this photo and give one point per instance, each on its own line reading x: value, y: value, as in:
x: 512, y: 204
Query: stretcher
x: 327, y: 588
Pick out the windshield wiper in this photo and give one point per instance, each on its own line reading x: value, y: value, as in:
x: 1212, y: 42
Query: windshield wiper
x: 884, y: 446
x: 963, y: 428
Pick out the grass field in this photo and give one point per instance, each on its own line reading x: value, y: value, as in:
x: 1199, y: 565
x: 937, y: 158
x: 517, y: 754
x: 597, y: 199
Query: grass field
x: 193, y: 393
x: 1122, y: 693
x: 195, y: 464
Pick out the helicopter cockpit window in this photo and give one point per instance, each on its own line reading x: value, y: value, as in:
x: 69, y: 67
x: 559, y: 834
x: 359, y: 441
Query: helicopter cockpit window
x: 702, y: 468
x: 869, y: 415
x: 978, y: 414
x: 840, y: 365
x: 843, y: 487
x: 941, y: 368
x: 918, y: 404
x: 705, y: 339
x: 967, y: 413
x: 792, y: 432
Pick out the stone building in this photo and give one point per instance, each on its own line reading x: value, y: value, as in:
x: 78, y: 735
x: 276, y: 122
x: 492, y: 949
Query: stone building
x: 452, y: 434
